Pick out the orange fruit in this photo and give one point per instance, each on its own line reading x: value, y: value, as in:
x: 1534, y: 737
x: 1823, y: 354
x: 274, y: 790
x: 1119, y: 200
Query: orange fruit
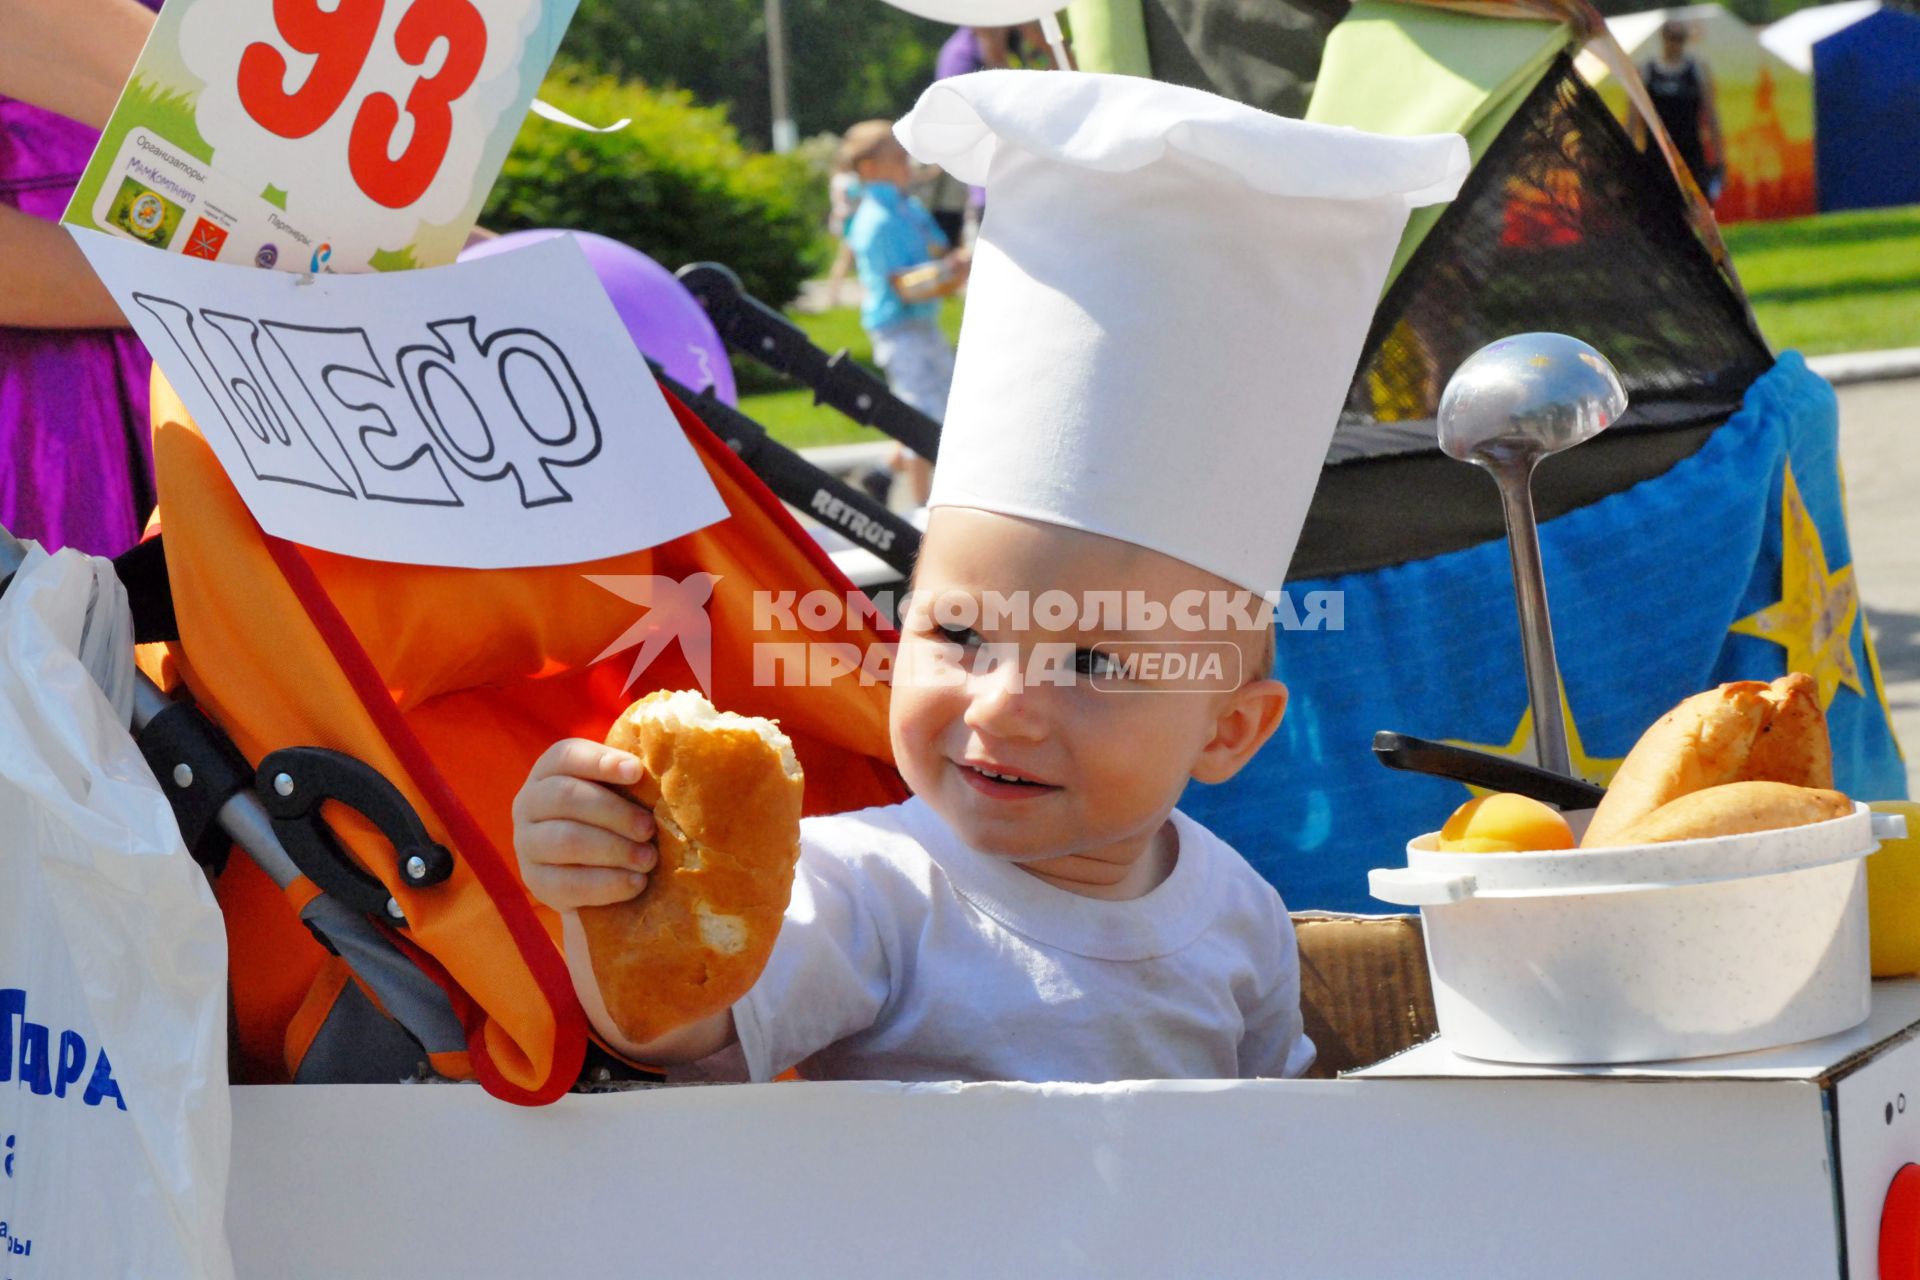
x: 1893, y: 896
x: 1505, y: 823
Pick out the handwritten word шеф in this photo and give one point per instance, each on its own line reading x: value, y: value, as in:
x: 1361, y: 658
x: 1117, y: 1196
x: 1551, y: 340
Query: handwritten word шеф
x: 30, y: 1051
x: 317, y: 407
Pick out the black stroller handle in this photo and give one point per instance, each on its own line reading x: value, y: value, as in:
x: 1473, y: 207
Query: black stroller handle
x: 294, y: 782
x: 1478, y: 769
x: 832, y: 501
x: 753, y: 328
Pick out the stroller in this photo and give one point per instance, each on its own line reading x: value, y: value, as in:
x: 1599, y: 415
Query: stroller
x: 330, y: 717
x: 366, y: 752
x: 380, y: 765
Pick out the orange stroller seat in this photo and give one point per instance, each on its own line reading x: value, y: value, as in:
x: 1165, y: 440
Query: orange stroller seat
x: 449, y: 683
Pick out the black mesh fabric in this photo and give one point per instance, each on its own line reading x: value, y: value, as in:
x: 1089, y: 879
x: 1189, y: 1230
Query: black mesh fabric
x: 1264, y: 53
x: 1563, y: 226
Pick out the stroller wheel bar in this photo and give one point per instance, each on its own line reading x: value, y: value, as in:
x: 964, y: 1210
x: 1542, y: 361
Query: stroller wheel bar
x: 295, y: 782
x: 753, y: 328
x: 826, y: 498
x: 199, y: 770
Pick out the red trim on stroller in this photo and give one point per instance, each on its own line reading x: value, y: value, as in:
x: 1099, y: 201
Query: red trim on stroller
x: 543, y: 961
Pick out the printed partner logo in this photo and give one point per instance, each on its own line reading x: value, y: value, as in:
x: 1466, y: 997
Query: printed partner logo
x: 205, y: 240
x: 1121, y: 648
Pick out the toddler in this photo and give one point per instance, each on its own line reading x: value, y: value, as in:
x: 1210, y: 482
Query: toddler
x: 1170, y: 293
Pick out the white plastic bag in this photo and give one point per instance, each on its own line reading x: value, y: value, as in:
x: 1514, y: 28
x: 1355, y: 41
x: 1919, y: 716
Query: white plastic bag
x: 113, y: 1081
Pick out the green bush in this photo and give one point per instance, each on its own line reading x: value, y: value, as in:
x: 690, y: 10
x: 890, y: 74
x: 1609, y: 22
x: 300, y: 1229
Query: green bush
x: 676, y: 184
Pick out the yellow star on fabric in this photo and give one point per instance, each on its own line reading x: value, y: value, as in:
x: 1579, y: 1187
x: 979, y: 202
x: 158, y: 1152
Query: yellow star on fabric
x: 1598, y: 770
x: 1813, y: 619
x: 1866, y: 642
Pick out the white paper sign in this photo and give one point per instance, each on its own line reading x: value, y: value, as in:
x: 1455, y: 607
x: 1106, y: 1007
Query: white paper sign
x: 492, y: 414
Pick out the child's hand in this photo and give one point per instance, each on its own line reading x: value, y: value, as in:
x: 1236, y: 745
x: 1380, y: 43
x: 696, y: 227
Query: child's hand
x: 580, y: 843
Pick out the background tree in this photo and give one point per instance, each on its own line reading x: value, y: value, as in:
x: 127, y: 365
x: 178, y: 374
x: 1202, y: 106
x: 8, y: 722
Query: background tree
x: 848, y: 59
x: 675, y: 184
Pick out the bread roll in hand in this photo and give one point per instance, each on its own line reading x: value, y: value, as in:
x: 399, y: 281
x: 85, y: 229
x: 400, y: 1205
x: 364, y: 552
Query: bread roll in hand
x: 725, y: 793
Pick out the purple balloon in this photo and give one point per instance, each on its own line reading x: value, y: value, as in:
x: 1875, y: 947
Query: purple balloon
x: 666, y: 323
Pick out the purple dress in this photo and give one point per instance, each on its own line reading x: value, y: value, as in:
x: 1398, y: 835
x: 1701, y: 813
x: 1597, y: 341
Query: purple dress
x: 77, y: 467
x: 959, y: 56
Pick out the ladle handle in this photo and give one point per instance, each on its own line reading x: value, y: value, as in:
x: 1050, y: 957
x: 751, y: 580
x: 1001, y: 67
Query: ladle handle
x: 1478, y: 769
x: 1515, y: 479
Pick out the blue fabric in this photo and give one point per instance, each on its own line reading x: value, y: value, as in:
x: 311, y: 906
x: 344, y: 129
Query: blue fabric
x: 889, y: 233
x: 1643, y: 585
x: 1866, y: 101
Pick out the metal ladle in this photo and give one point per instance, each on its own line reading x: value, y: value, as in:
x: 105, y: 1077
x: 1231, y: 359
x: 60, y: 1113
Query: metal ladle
x: 1511, y: 404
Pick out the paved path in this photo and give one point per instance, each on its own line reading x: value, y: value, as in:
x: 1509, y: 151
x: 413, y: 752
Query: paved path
x: 1880, y: 452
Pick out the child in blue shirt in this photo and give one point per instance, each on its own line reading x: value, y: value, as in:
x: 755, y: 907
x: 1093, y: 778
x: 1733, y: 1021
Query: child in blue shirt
x: 906, y: 266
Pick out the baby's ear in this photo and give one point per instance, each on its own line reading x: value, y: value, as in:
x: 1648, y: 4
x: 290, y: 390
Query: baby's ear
x: 1247, y: 719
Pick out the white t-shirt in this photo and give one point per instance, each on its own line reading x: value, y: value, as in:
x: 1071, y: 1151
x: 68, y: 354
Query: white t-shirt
x: 906, y: 955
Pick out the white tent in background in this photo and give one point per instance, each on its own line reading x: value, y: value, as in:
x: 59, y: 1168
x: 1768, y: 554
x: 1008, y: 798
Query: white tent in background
x: 1792, y: 38
x: 1765, y: 105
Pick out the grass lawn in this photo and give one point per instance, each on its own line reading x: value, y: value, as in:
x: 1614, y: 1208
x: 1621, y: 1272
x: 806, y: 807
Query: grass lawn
x: 1836, y: 282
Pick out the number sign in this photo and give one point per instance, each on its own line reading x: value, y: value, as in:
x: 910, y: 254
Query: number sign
x: 318, y: 135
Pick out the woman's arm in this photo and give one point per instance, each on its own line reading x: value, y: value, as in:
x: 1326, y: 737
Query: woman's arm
x: 71, y: 56
x: 49, y: 283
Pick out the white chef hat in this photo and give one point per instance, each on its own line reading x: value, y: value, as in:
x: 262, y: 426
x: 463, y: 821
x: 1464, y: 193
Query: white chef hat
x: 1169, y: 296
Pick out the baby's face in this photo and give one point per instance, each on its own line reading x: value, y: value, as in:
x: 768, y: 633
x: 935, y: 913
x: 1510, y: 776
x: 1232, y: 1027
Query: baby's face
x: 1031, y: 736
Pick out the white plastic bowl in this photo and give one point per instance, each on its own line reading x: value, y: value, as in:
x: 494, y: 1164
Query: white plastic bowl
x: 1651, y: 952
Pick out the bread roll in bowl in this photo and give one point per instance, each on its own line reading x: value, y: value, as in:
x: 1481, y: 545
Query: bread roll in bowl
x: 725, y: 792
x: 1745, y: 731
x: 1701, y: 743
x: 1794, y: 746
x: 1732, y: 809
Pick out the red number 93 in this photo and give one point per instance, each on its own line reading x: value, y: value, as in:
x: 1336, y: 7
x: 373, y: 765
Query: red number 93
x: 340, y: 41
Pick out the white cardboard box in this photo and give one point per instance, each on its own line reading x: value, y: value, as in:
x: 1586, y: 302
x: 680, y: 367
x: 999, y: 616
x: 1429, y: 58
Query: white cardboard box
x: 1761, y: 1165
